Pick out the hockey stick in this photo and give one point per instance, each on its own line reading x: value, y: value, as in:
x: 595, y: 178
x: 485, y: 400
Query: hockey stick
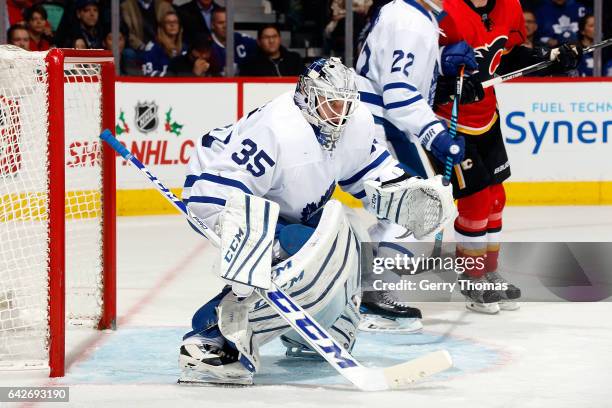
x: 536, y: 67
x: 364, y: 378
x: 449, y: 162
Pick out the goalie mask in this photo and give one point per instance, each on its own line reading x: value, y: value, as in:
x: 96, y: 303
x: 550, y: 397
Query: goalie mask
x: 327, y: 96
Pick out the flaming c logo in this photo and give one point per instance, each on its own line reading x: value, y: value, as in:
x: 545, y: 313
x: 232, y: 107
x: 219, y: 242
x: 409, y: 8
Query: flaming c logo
x: 489, y: 56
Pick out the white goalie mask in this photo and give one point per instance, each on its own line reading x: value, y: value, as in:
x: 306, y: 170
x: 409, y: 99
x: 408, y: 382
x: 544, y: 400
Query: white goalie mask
x: 327, y: 96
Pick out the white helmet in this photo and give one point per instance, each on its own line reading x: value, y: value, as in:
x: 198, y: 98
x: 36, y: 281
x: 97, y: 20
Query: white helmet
x: 327, y: 95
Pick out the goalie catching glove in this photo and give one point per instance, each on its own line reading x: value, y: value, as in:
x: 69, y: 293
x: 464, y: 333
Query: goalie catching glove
x: 424, y: 207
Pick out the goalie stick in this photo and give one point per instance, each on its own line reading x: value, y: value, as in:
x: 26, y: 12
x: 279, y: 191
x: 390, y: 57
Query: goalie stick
x: 437, y: 251
x: 536, y: 67
x: 364, y: 378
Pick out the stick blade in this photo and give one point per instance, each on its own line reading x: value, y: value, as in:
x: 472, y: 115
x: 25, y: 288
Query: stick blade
x: 402, y: 375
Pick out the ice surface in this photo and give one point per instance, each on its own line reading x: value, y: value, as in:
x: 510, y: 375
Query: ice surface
x: 543, y: 355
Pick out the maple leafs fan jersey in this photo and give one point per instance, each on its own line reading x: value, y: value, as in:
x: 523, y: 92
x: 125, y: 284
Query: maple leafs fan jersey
x: 506, y: 30
x: 273, y: 153
x: 559, y: 22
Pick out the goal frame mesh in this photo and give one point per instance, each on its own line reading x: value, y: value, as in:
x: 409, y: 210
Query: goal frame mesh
x: 55, y: 61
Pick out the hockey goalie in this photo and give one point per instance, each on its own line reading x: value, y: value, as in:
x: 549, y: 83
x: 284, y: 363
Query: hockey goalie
x: 264, y: 185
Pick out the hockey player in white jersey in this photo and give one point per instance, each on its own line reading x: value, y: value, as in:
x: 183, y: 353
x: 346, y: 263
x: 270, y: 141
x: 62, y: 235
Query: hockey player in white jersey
x: 290, y: 154
x: 398, y: 67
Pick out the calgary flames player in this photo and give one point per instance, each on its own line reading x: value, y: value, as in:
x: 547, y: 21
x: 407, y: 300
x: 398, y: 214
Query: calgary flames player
x: 495, y: 29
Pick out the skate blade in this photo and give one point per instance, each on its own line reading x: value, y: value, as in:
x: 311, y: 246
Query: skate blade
x: 509, y: 305
x: 484, y: 308
x: 211, y: 383
x: 403, y: 326
x: 295, y: 352
x: 194, y: 379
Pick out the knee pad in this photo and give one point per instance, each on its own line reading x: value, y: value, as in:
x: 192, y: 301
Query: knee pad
x: 494, y: 226
x: 474, y: 213
x: 498, y: 202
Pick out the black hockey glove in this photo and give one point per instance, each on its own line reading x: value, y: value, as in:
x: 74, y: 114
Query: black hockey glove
x: 472, y: 90
x: 566, y: 57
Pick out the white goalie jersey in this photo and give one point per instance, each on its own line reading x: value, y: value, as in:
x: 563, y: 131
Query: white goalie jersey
x: 398, y: 67
x: 273, y: 153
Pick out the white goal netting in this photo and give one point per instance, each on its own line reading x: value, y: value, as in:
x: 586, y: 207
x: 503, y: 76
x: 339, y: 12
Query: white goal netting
x: 24, y: 197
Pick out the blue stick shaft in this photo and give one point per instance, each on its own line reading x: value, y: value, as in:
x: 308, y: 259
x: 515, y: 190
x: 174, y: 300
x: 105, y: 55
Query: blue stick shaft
x: 452, y: 131
x: 448, y: 169
x: 108, y: 137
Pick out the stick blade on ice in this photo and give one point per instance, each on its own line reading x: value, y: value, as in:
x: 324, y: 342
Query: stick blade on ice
x: 404, y: 374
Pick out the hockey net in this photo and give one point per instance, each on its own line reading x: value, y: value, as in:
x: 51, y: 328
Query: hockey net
x: 56, y: 202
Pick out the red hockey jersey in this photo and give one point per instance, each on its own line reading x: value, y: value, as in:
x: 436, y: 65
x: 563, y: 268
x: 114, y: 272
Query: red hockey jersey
x: 506, y: 29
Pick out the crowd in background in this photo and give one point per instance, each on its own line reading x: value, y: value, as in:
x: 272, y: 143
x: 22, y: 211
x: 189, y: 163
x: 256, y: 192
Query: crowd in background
x: 158, y: 38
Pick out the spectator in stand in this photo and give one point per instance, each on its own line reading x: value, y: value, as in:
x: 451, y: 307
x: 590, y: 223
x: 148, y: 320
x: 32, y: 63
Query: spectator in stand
x: 89, y: 25
x: 272, y: 59
x: 245, y: 47
x: 334, y: 30
x: 558, y: 21
x: 15, y: 10
x: 196, y: 17
x: 126, y: 67
x: 41, y: 36
x: 197, y: 62
x: 19, y: 36
x: 531, y: 28
x: 587, y: 38
x: 168, y: 45
x: 85, y: 31
x: 142, y: 18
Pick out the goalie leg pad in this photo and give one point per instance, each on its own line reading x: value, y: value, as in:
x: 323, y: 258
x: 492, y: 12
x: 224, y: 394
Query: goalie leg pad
x: 343, y: 329
x: 234, y: 326
x: 314, y: 276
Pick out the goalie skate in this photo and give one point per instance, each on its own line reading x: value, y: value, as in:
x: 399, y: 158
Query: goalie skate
x: 381, y: 324
x: 204, y: 362
x: 298, y: 350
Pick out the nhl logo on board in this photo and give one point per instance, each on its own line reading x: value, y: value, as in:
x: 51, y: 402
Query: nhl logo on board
x: 146, y: 116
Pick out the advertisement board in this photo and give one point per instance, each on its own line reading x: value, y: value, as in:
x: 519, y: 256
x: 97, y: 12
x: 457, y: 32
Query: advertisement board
x: 557, y: 133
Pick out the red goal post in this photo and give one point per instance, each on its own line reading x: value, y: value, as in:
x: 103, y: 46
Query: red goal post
x: 58, y: 257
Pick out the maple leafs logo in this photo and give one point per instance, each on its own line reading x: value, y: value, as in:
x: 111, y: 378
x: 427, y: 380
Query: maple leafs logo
x: 489, y: 56
x: 565, y: 27
x: 313, y: 207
